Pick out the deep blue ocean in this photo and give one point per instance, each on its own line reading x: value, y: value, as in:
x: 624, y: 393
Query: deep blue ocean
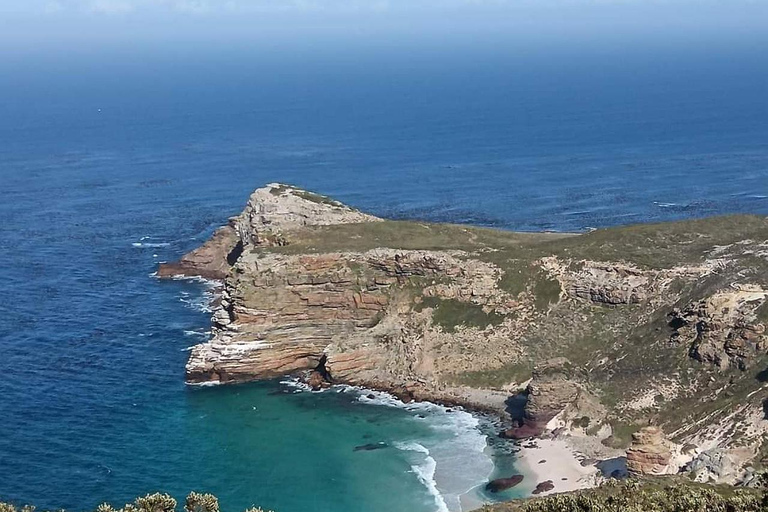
x: 113, y: 160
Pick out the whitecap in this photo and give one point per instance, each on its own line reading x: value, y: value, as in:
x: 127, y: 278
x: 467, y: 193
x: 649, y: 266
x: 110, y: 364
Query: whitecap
x: 425, y: 472
x: 202, y: 301
x: 197, y: 334
x: 206, y: 384
x: 150, y: 244
x: 297, y: 385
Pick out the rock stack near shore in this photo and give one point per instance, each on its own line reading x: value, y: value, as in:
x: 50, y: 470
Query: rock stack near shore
x: 650, y: 452
x: 550, y: 391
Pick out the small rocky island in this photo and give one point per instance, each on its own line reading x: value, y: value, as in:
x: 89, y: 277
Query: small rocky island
x: 650, y: 338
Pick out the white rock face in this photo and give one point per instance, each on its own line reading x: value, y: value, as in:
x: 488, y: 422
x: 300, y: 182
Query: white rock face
x: 276, y: 208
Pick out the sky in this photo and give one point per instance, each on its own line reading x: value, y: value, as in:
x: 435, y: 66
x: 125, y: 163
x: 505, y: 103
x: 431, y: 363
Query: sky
x: 73, y: 23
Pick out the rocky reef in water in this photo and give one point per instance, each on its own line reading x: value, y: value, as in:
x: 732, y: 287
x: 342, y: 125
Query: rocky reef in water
x: 597, y: 334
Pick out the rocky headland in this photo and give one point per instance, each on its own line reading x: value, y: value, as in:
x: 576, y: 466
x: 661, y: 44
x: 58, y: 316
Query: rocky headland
x: 596, y: 336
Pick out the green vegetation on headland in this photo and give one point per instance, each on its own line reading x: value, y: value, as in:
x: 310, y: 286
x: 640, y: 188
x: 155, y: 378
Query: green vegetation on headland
x: 304, y: 194
x: 450, y: 313
x: 626, y: 348
x: 663, y: 494
x: 647, y: 245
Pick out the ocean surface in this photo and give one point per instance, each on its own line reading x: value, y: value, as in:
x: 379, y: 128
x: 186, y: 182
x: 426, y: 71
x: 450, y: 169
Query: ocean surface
x: 112, y: 161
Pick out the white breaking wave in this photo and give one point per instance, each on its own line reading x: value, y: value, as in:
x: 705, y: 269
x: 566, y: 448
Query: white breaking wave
x: 198, y: 334
x: 206, y: 384
x: 298, y: 386
x: 425, y: 472
x: 202, y: 301
x: 455, y: 464
x: 150, y: 244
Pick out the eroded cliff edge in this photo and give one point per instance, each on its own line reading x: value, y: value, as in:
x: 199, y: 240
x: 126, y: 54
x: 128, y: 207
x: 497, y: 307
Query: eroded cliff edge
x: 604, y: 332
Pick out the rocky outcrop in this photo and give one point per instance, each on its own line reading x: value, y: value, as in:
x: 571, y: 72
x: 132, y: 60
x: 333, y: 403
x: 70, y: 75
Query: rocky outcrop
x: 543, y: 487
x: 273, y: 210
x: 713, y: 465
x: 212, y: 260
x: 502, y: 484
x: 723, y: 329
x: 650, y: 452
x: 270, y: 212
x: 550, y: 391
x: 611, y: 284
x: 283, y: 312
x: 279, y: 313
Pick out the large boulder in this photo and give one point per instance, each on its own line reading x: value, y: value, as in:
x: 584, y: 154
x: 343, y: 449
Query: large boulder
x: 502, y: 484
x: 543, y: 487
x: 713, y: 465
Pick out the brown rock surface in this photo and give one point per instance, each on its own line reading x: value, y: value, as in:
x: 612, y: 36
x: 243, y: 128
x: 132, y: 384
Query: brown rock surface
x: 550, y: 391
x: 650, y: 452
x: 212, y: 260
x: 316, y: 380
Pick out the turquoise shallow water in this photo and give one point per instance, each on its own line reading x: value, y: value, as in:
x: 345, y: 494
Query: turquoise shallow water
x: 287, y: 449
x: 112, y: 162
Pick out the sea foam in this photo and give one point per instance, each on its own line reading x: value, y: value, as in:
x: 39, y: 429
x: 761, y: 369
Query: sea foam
x: 425, y: 472
x: 454, y: 462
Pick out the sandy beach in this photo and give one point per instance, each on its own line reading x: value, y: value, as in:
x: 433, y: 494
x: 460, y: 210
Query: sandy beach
x: 555, y: 460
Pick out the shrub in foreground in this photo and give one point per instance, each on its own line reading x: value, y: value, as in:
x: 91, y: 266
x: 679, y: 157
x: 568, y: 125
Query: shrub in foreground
x: 157, y: 502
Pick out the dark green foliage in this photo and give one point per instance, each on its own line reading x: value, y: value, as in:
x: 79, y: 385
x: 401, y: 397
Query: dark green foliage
x: 450, y: 313
x: 496, y: 377
x: 157, y: 502
x: 658, y: 495
x: 546, y: 291
x: 583, y: 422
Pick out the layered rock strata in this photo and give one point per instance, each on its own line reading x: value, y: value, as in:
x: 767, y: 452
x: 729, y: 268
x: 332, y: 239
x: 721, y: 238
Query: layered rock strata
x: 461, y: 315
x: 650, y: 452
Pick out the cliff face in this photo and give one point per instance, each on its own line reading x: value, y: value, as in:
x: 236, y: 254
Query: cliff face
x: 660, y: 321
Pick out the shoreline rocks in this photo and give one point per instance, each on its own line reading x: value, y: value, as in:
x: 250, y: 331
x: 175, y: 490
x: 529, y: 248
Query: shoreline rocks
x: 212, y: 260
x: 543, y: 487
x: 502, y: 484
